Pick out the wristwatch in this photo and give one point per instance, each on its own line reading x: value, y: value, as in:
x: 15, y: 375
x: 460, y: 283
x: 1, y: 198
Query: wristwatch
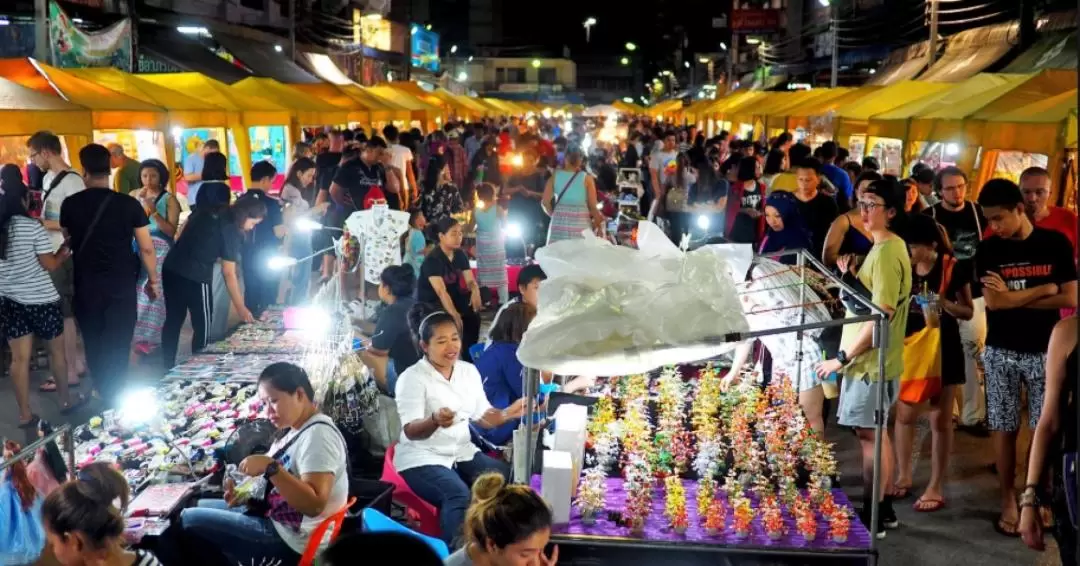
x: 841, y: 356
x: 271, y: 470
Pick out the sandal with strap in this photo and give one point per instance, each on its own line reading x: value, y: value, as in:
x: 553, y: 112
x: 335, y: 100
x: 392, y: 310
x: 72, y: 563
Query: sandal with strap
x: 1005, y: 528
x: 929, y: 504
x: 50, y: 385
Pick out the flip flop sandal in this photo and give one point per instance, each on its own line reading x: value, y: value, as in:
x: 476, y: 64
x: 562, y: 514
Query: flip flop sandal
x: 929, y: 505
x: 901, y: 493
x: 32, y: 423
x: 1005, y: 528
x: 79, y: 401
x: 50, y: 385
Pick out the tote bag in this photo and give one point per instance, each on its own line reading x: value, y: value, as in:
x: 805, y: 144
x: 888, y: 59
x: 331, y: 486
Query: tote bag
x: 921, y: 379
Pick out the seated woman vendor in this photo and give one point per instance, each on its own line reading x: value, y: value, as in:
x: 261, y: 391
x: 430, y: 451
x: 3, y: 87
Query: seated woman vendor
x: 439, y: 398
x: 392, y: 349
x: 306, y: 483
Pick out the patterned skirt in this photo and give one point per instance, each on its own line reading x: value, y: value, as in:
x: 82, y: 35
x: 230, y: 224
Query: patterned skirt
x: 491, y: 259
x: 151, y: 313
x: 568, y: 222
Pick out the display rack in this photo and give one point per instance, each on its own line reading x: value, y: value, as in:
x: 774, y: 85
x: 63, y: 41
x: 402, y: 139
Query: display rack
x: 597, y: 543
x: 67, y: 445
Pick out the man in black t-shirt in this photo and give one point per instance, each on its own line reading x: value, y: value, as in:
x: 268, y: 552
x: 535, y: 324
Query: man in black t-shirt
x: 965, y: 223
x: 260, y: 282
x: 100, y: 226
x: 392, y: 349
x: 327, y: 158
x: 1028, y: 275
x: 818, y: 209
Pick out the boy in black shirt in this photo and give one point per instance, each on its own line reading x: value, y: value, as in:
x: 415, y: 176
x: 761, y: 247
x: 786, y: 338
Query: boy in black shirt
x: 965, y: 223
x: 817, y: 209
x: 1028, y: 275
x: 392, y: 349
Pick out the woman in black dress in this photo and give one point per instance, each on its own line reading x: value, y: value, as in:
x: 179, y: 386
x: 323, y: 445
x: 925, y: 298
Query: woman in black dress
x: 444, y: 269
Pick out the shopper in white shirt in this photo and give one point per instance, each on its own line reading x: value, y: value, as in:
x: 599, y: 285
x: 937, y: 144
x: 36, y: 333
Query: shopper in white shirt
x: 29, y: 303
x: 401, y: 157
x: 307, y: 482
x: 60, y: 182
x: 438, y: 399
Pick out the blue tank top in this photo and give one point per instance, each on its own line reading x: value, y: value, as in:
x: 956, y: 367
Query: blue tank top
x: 855, y: 242
x: 162, y: 208
x: 575, y: 193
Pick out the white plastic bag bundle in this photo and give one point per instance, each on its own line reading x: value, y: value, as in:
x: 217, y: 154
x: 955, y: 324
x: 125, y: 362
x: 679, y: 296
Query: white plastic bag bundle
x: 612, y: 310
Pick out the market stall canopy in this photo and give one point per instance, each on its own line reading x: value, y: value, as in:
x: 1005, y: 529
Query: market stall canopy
x: 111, y: 110
x: 325, y: 67
x: 264, y: 60
x: 816, y: 115
x: 450, y: 103
x: 252, y: 110
x: 949, y: 122
x: 174, y: 48
x: 1039, y: 127
x: 24, y: 111
x: 776, y: 112
x: 895, y: 123
x: 340, y: 97
x: 854, y: 118
x: 600, y: 110
x: 903, y: 64
x: 733, y: 101
x: 631, y: 108
x: 309, y: 110
x: 1052, y: 51
x: 420, y: 110
x: 666, y: 107
x: 970, y: 51
x: 504, y: 107
x: 381, y: 108
x: 184, y: 111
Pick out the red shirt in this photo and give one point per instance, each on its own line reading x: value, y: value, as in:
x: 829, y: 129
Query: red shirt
x: 1061, y: 220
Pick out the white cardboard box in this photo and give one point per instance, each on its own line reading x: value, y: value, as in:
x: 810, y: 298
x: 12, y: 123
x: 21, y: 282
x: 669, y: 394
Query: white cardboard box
x: 557, y: 482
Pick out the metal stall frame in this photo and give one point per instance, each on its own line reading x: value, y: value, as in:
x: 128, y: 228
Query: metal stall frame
x: 31, y: 449
x: 877, y: 316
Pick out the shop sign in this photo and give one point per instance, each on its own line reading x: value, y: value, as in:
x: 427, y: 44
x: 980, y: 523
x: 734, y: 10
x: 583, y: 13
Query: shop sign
x: 763, y: 20
x: 72, y: 48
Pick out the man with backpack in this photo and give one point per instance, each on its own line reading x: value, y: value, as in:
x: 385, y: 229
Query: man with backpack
x: 60, y: 182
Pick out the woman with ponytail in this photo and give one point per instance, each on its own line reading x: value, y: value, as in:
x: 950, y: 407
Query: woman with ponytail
x: 506, y: 525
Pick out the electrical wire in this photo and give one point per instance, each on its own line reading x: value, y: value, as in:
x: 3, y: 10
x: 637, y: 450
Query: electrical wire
x: 968, y: 9
x: 974, y: 19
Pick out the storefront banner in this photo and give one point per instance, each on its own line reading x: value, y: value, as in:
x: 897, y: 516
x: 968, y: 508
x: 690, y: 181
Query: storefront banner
x: 73, y: 48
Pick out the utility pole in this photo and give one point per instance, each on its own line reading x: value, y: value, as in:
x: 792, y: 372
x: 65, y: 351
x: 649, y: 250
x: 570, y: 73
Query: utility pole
x: 933, y: 7
x: 292, y: 30
x: 733, y: 54
x: 41, y: 30
x: 835, y: 17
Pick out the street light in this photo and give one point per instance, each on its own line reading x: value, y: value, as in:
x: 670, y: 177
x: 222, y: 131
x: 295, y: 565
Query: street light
x: 462, y: 77
x: 589, y: 23
x: 824, y: 3
x: 625, y: 60
x: 723, y: 46
x: 630, y: 46
x: 753, y: 40
x: 536, y: 63
x: 453, y: 49
x: 666, y: 73
x: 703, y: 60
x: 686, y: 64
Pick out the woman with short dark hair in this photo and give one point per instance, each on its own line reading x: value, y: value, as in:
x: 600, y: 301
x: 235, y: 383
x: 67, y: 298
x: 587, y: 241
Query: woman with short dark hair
x: 306, y: 477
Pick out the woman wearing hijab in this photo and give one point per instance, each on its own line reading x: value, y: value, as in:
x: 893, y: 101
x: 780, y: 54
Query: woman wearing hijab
x: 785, y: 228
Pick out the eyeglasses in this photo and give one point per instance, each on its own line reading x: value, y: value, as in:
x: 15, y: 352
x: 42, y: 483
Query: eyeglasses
x: 870, y: 205
x: 35, y: 154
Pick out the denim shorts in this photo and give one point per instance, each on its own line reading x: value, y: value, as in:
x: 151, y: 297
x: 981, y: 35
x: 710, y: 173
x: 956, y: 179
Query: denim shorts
x: 858, y: 400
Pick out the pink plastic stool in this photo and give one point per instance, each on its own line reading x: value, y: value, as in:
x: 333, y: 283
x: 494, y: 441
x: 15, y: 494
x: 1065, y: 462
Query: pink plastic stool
x: 419, y: 511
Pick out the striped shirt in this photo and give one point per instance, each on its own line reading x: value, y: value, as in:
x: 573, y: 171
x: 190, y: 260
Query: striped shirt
x: 22, y: 278
x: 144, y: 558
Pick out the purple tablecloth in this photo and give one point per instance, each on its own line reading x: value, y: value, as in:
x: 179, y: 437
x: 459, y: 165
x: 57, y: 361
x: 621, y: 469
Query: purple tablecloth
x: 658, y: 529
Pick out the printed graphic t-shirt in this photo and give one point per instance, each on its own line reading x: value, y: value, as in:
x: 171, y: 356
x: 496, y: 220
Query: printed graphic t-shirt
x: 1045, y: 256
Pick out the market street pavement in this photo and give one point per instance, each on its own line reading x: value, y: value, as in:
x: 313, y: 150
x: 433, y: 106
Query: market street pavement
x: 959, y: 535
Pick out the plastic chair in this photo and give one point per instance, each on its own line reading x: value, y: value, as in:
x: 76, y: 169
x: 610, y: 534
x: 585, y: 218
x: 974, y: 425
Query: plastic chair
x: 376, y: 522
x: 418, y: 510
x: 315, y: 542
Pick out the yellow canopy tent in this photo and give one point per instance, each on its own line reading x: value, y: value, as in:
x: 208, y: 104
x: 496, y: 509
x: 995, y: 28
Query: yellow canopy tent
x: 503, y: 106
x: 774, y: 116
x: 631, y: 108
x: 339, y: 96
x: 427, y: 114
x: 727, y: 107
x: 816, y: 115
x: 24, y: 111
x: 489, y: 109
x: 184, y: 111
x: 438, y: 98
x: 307, y: 110
x: 665, y: 109
x: 854, y: 118
x: 247, y: 110
x: 1070, y: 130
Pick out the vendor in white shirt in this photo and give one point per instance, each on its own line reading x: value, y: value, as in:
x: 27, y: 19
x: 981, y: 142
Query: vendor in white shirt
x: 437, y: 399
